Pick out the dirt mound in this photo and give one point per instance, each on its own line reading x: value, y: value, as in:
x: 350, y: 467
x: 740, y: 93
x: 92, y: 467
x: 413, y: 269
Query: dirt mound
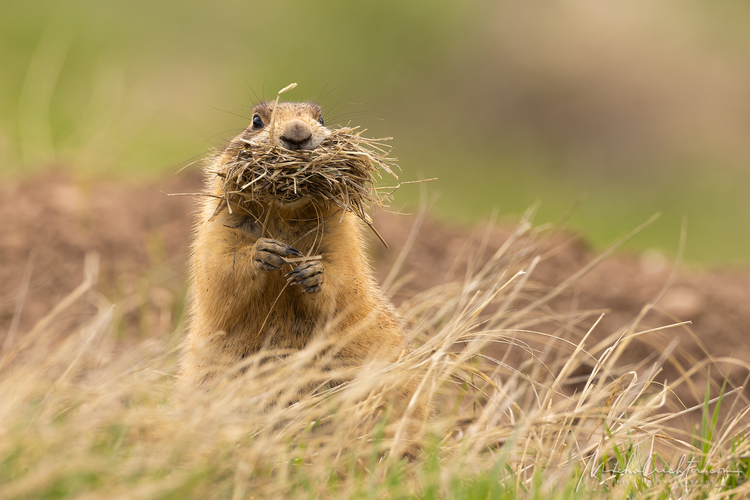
x: 141, y: 237
x: 51, y: 223
x: 620, y: 286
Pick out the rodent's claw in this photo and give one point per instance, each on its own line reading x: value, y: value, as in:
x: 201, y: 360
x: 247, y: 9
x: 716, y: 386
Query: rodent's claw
x: 305, y: 270
x: 265, y: 266
x: 277, y: 247
x: 270, y: 254
x: 309, y: 276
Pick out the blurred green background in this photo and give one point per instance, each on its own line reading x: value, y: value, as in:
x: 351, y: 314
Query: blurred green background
x: 639, y: 106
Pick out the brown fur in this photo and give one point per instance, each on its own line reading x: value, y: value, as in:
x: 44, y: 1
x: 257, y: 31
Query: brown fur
x: 236, y: 307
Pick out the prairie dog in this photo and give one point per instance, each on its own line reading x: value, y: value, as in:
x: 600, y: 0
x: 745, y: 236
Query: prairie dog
x: 244, y: 296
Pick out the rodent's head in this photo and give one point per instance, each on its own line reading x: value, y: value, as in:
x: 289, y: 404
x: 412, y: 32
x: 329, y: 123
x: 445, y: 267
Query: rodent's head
x: 288, y: 158
x: 293, y: 126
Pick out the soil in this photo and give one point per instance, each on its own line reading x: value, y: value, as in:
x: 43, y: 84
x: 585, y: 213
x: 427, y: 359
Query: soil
x: 141, y: 238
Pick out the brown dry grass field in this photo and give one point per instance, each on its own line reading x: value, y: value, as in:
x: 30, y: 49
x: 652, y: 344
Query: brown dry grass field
x: 535, y: 369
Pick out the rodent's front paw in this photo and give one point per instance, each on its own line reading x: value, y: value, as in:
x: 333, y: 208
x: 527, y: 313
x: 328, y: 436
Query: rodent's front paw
x: 309, y: 276
x: 270, y: 254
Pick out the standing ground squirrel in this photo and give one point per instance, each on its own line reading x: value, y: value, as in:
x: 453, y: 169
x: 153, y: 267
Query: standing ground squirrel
x: 250, y: 286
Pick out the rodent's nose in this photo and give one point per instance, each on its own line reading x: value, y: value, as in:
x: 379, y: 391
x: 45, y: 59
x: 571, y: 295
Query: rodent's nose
x: 296, y: 133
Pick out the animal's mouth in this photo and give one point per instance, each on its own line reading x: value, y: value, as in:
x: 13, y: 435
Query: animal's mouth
x: 307, y: 145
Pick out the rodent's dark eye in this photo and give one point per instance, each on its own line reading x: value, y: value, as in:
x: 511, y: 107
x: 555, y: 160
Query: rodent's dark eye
x: 257, y: 122
x: 320, y: 120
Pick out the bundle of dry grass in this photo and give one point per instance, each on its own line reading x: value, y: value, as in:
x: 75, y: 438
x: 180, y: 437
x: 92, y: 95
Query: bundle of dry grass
x: 340, y: 170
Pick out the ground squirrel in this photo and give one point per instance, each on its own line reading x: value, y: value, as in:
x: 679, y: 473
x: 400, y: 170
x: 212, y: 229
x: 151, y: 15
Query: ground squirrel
x: 245, y: 295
